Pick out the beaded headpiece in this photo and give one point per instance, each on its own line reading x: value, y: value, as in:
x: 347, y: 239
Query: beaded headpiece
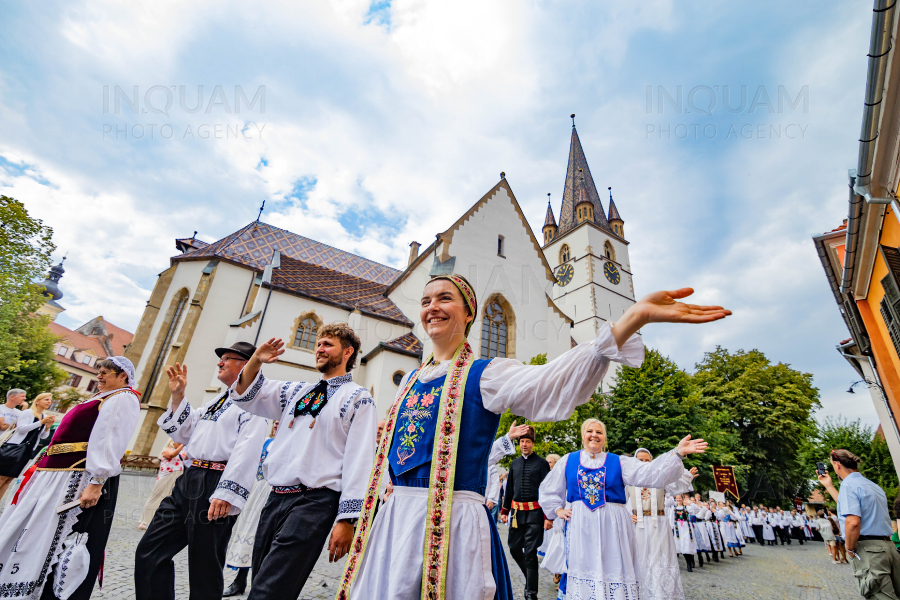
x: 467, y: 292
x: 126, y: 366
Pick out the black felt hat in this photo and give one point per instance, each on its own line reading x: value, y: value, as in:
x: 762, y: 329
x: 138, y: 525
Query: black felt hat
x: 244, y: 349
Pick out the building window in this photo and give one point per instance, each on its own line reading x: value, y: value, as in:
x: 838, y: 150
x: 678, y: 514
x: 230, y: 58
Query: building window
x: 86, y: 360
x: 609, y: 251
x: 564, y: 254
x: 500, y: 248
x: 493, y: 332
x: 305, y: 337
x: 62, y: 350
x: 73, y: 380
x: 398, y: 378
x: 92, y: 386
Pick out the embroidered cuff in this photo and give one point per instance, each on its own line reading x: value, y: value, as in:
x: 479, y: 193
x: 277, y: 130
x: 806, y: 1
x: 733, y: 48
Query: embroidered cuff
x: 631, y: 354
x: 506, y: 443
x: 251, y: 392
x: 349, y: 509
x: 180, y: 416
x: 231, y: 492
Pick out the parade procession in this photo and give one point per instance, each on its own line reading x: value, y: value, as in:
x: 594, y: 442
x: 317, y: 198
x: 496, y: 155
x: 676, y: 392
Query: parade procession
x: 288, y: 313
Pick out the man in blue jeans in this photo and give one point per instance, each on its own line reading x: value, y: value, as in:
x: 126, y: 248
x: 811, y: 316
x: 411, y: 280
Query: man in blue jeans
x: 862, y: 508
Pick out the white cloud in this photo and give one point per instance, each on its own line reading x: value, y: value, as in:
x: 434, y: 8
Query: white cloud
x: 412, y: 121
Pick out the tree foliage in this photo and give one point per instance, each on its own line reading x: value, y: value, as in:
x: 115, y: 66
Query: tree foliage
x: 26, y: 357
x: 769, y: 409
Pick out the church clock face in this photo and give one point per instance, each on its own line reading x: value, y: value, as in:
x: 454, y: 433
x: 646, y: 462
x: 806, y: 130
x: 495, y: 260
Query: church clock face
x: 564, y: 274
x: 612, y: 273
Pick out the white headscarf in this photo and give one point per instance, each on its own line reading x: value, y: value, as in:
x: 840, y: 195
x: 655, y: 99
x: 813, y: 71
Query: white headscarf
x: 125, y: 364
x: 639, y: 450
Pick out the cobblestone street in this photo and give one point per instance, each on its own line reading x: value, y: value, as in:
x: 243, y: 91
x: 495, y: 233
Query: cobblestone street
x: 802, y: 572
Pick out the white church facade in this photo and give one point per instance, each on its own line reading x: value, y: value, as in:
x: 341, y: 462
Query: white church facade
x: 536, y: 295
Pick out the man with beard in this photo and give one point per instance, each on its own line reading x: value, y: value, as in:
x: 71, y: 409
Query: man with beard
x: 318, y: 464
x: 222, y: 443
x: 526, y: 531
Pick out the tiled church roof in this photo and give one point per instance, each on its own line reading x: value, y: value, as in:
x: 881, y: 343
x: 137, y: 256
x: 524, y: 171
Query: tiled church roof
x: 613, y: 211
x: 333, y: 287
x: 254, y: 244
x: 549, y: 219
x: 577, y: 162
x: 407, y: 343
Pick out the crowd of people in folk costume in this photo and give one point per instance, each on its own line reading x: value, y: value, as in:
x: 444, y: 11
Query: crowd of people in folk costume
x: 406, y: 507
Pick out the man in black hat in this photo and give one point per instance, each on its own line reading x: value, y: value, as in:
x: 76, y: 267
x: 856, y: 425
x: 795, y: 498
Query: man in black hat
x: 223, y: 444
x: 523, y: 513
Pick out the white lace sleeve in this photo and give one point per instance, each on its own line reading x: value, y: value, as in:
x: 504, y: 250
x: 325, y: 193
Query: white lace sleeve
x: 115, y: 424
x: 552, y: 493
x: 551, y: 392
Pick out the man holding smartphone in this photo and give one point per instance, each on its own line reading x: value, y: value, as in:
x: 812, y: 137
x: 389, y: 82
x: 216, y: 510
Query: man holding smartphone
x: 862, y: 507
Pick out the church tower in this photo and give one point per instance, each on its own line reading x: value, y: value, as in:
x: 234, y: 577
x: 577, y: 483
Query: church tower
x: 587, y: 251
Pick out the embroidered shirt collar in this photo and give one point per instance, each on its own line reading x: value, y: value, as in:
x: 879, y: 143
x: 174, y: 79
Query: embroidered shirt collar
x: 340, y: 380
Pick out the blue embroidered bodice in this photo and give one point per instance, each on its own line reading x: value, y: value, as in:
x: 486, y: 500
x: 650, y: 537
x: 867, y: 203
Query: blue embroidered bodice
x: 413, y: 443
x: 594, y: 487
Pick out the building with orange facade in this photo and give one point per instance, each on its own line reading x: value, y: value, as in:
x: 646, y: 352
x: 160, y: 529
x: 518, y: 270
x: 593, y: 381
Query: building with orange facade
x: 861, y: 257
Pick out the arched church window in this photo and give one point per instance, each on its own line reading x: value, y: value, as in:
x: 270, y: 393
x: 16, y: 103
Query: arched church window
x: 493, y: 332
x: 609, y: 251
x: 305, y: 337
x: 564, y: 254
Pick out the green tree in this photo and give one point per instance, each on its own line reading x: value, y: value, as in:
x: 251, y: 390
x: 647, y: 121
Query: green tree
x: 655, y: 406
x: 26, y: 358
x: 768, y: 409
x: 861, y: 440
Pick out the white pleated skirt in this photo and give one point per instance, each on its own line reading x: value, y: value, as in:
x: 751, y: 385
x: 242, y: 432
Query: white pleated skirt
x: 392, y: 566
x: 600, y: 553
x: 657, y: 560
x: 240, y: 546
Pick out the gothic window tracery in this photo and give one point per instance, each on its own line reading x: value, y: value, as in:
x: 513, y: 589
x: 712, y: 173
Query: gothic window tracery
x: 305, y: 336
x: 493, y: 331
x: 564, y: 253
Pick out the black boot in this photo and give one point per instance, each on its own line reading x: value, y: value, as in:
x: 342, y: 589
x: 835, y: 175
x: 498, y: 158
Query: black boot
x: 708, y: 559
x: 700, y: 559
x: 237, y: 586
x: 689, y: 558
x: 715, y: 556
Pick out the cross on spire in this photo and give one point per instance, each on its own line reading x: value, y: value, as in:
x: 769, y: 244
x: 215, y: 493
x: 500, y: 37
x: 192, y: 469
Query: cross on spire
x: 261, y: 209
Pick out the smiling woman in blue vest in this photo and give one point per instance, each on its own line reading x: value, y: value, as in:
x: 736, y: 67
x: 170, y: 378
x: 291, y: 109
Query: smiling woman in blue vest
x: 599, y: 533
x: 434, y: 538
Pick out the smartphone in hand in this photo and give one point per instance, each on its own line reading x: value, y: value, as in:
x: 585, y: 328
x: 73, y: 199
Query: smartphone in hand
x: 821, y: 469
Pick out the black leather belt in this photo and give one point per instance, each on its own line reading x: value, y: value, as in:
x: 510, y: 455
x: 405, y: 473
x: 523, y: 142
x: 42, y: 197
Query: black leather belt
x: 866, y: 538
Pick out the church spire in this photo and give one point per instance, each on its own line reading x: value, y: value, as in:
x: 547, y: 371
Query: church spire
x: 616, y: 223
x: 577, y: 168
x: 549, y: 228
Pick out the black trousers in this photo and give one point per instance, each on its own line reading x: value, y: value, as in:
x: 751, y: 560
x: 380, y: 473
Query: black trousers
x: 758, y: 531
x: 798, y: 534
x: 524, y: 541
x: 292, y: 531
x: 182, y: 520
x: 96, y: 522
x: 784, y: 534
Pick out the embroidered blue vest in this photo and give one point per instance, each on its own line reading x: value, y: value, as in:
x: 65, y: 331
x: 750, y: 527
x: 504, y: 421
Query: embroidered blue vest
x: 594, y: 487
x: 413, y: 443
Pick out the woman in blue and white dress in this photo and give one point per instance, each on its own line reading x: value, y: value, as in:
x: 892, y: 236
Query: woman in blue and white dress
x: 600, y: 540
x: 697, y: 512
x: 727, y: 525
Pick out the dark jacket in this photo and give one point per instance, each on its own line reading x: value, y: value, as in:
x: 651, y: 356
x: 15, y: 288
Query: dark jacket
x: 524, y: 482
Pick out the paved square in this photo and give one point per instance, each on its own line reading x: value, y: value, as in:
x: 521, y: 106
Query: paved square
x: 802, y: 572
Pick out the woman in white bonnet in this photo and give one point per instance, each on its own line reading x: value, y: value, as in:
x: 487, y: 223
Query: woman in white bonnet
x: 49, y: 554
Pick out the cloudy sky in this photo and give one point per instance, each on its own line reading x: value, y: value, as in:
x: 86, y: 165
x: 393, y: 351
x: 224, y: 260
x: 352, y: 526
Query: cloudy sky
x: 369, y: 125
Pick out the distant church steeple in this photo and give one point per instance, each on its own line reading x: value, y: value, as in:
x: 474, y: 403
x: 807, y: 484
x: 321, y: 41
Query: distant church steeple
x: 51, y: 292
x: 578, y: 168
x: 616, y: 223
x: 549, y: 223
